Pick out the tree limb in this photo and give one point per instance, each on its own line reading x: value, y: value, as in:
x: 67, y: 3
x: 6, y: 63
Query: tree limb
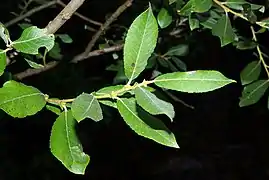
x: 103, y: 28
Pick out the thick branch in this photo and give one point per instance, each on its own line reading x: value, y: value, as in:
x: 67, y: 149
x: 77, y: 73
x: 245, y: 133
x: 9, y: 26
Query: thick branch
x: 63, y: 16
x: 103, y: 28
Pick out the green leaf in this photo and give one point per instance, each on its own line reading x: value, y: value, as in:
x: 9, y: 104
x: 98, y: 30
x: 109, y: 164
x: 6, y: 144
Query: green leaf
x: 65, y: 38
x: 186, y: 10
x: 65, y: 146
x: 4, y: 34
x: 193, y: 23
x: 24, y: 25
x: 201, y: 6
x: 32, y: 39
x: 55, y: 52
x: 108, y: 102
x: 86, y: 105
x: 180, y: 64
x: 223, y: 29
x: 238, y: 5
x: 179, y: 50
x: 54, y: 109
x: 252, y: 93
x: 152, y: 104
x: 164, y: 18
x: 33, y: 64
x: 172, y: 1
x: 3, y: 61
x: 19, y: 100
x: 140, y: 43
x: 245, y: 45
x: 193, y: 81
x: 109, y: 90
x: 150, y: 128
x: 250, y: 73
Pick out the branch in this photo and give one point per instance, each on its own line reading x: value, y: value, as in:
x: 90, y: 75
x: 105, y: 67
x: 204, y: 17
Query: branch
x: 29, y: 13
x: 114, y: 16
x: 63, y: 16
x: 30, y: 72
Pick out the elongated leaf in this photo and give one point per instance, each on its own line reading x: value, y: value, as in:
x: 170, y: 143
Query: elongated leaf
x: 86, y: 105
x: 139, y: 44
x: 193, y: 81
x: 54, y: 109
x: 250, y: 73
x: 33, y: 64
x: 3, y: 61
x: 164, y: 18
x: 19, y: 100
x: 179, y: 50
x: 65, y: 146
x: 150, y: 128
x: 152, y: 104
x: 223, y: 29
x: 109, y: 89
x: 193, y: 23
x: 4, y: 34
x: 186, y: 10
x: 32, y: 39
x: 252, y: 93
x: 65, y: 38
x: 237, y: 4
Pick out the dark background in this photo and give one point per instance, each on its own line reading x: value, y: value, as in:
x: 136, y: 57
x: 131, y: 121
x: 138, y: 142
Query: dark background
x: 218, y: 140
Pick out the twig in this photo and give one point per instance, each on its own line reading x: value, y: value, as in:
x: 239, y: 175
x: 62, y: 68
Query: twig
x: 81, y: 16
x: 29, y: 13
x: 30, y: 72
x: 110, y: 20
x: 63, y: 16
x: 259, y: 51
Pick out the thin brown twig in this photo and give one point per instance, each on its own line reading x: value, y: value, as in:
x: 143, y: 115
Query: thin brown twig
x: 30, y: 72
x: 30, y: 12
x: 103, y: 28
x: 81, y: 16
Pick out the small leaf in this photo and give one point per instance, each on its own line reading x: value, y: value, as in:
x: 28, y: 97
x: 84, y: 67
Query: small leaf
x: 193, y: 81
x: 65, y: 38
x: 86, y: 105
x: 109, y: 90
x: 54, y: 109
x: 55, y: 52
x: 33, y: 64
x: 65, y: 146
x: 108, y: 102
x: 152, y: 104
x: 194, y: 23
x: 250, y: 73
x: 32, y: 39
x: 223, y: 29
x: 201, y: 6
x: 19, y: 100
x: 139, y: 44
x: 4, y: 34
x: 3, y: 61
x: 179, y: 50
x: 245, y: 45
x: 186, y: 10
x: 252, y: 93
x: 150, y: 128
x: 180, y: 64
x: 164, y: 18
